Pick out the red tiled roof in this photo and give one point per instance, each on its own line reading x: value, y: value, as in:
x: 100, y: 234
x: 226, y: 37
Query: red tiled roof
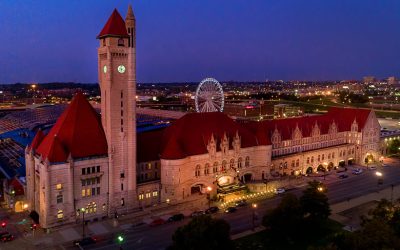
x: 190, y: 134
x: 115, y: 26
x: 37, y: 140
x: 343, y: 118
x: 148, y: 145
x: 78, y: 131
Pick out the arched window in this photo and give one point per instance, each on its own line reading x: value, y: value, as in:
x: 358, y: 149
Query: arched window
x: 333, y: 155
x: 297, y: 162
x: 232, y: 163
x: 197, y: 172
x: 207, y: 169
x: 239, y: 164
x: 247, y: 162
x: 215, y: 167
x: 223, y: 167
x: 121, y: 42
x: 312, y: 159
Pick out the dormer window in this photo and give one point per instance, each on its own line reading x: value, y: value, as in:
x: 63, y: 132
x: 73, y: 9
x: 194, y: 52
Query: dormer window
x: 104, y: 42
x: 121, y: 42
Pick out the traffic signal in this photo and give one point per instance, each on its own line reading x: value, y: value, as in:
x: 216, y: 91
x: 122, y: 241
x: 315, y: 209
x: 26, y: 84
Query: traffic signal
x: 3, y: 224
x: 120, y: 238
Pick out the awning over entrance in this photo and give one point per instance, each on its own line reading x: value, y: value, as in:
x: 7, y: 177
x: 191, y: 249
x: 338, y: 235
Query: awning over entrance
x: 231, y: 188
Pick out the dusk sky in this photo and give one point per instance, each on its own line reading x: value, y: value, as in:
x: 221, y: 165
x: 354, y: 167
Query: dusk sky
x: 182, y: 40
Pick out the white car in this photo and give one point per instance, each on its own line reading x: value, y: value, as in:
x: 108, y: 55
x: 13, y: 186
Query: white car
x: 372, y: 167
x: 357, y: 171
x: 280, y: 191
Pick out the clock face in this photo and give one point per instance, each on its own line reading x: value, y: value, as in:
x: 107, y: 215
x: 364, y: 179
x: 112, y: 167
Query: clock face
x: 121, y: 69
x: 105, y: 69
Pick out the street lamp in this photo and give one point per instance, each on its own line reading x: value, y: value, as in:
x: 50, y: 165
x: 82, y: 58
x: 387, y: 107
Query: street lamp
x: 254, y: 207
x: 209, y: 189
x: 83, y: 210
x: 380, y: 178
x: 320, y: 189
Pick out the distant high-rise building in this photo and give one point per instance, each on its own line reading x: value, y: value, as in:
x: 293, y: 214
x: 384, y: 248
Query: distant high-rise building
x: 392, y: 80
x: 369, y: 79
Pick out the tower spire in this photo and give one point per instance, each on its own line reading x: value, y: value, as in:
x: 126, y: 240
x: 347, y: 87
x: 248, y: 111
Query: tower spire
x: 130, y: 15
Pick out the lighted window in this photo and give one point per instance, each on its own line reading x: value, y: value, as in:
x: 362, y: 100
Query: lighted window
x: 83, y: 192
x: 141, y: 196
x: 88, y: 192
x: 155, y: 193
x: 148, y: 195
x: 60, y: 214
x: 59, y: 186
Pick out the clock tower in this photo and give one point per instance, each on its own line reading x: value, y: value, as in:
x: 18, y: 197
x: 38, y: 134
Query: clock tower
x: 117, y: 79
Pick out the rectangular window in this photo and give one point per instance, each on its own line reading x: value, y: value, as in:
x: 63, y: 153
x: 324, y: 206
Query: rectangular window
x: 141, y: 196
x: 98, y: 180
x: 60, y: 214
x: 83, y: 171
x: 122, y: 175
x: 98, y: 190
x: 83, y: 192
x: 88, y: 193
x: 59, y: 186
x: 93, y: 181
x: 93, y: 169
x: 122, y: 202
x: 83, y: 182
x: 93, y: 191
x: 59, y: 199
x: 122, y: 186
x: 98, y: 169
x: 88, y: 170
x: 148, y: 195
x: 88, y: 182
x: 155, y: 193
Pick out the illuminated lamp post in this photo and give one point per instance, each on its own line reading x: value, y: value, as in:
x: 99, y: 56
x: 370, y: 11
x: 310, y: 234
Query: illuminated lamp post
x: 253, y: 217
x: 83, y: 210
x: 209, y: 189
x: 380, y: 177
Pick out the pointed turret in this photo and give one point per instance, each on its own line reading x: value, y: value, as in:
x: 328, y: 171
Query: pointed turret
x: 130, y: 23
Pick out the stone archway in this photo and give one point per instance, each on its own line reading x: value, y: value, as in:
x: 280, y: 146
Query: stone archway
x: 309, y: 170
x: 321, y: 168
x: 369, y: 158
x: 342, y: 163
x: 350, y: 161
x: 330, y: 166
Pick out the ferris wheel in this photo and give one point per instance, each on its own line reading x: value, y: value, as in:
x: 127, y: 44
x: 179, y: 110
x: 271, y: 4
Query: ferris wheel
x: 209, y: 96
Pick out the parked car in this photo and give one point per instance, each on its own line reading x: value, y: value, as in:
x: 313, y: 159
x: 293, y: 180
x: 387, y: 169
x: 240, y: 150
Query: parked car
x: 85, y: 241
x: 280, y: 191
x: 384, y: 165
x: 197, y: 213
x: 176, y: 217
x: 6, y: 236
x: 341, y: 170
x: 212, y: 210
x: 241, y: 203
x: 157, y: 222
x: 343, y: 176
x: 357, y: 171
x: 372, y: 167
x: 230, y: 210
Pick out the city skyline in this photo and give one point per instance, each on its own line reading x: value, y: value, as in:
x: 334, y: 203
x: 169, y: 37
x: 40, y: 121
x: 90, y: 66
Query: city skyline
x: 181, y: 41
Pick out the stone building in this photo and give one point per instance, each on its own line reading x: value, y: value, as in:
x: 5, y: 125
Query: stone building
x: 100, y: 165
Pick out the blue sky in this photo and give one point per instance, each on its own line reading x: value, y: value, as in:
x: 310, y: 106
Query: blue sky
x: 187, y: 40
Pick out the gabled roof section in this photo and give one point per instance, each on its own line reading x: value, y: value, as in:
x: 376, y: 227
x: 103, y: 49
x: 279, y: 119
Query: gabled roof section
x: 190, y: 134
x: 78, y: 132
x: 115, y: 26
x: 36, y: 140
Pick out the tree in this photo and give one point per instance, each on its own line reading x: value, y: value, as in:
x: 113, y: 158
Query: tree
x: 314, y: 202
x: 203, y: 233
x: 285, y: 220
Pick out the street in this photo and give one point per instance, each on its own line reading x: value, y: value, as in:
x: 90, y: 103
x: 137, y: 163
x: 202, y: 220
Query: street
x: 158, y: 237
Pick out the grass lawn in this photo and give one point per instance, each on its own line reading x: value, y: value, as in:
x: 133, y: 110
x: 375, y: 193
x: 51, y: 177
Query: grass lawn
x: 265, y: 240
